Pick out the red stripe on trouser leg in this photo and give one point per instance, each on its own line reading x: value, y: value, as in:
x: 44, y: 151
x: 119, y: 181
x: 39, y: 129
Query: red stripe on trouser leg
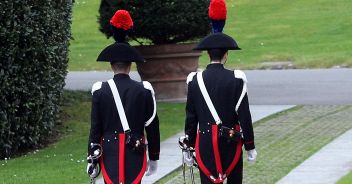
x: 214, y: 138
x: 122, y: 158
x: 105, y: 174
x: 199, y: 159
x: 236, y: 158
x: 144, y: 167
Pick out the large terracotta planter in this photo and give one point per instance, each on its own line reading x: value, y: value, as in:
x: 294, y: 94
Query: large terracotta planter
x: 167, y: 68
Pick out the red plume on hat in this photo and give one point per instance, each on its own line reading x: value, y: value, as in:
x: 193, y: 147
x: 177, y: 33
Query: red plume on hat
x: 217, y: 10
x: 122, y: 20
x: 217, y: 14
x: 218, y: 40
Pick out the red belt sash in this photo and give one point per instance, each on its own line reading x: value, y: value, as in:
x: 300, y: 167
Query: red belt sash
x: 121, y: 169
x: 221, y: 176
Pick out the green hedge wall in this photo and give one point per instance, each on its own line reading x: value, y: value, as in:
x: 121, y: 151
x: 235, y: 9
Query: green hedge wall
x: 34, y: 39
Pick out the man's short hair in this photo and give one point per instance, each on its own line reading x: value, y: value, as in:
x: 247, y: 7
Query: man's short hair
x: 216, y: 54
x: 120, y: 65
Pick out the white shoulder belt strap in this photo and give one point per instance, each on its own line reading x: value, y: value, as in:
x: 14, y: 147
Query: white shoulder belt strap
x: 207, y: 98
x: 119, y: 106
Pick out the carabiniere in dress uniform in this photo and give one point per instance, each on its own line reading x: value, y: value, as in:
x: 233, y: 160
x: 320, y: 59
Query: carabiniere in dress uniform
x: 122, y: 110
x: 218, y: 120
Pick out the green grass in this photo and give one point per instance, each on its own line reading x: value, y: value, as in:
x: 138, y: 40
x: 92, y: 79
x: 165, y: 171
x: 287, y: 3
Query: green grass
x: 64, y: 161
x: 308, y: 33
x: 172, y: 117
x: 346, y: 179
x: 286, y: 139
x: 88, y: 40
x: 61, y: 162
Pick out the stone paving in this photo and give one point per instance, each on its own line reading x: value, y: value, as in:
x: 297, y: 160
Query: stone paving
x: 327, y: 166
x: 294, y: 136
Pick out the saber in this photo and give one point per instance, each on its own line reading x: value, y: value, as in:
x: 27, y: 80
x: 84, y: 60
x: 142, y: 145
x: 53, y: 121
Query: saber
x: 95, y: 166
x: 192, y: 174
x: 184, y: 170
x: 189, y: 152
x: 94, y: 178
x: 187, y: 158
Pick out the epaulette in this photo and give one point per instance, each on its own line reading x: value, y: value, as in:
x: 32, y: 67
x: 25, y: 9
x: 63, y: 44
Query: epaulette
x: 148, y: 86
x: 190, y: 77
x: 96, y: 86
x: 240, y: 75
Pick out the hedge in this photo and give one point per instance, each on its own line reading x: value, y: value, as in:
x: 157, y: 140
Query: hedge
x: 34, y: 39
x: 160, y: 21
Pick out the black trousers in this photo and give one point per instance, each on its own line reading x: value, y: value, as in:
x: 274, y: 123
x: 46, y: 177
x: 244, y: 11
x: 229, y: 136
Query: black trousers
x: 235, y: 176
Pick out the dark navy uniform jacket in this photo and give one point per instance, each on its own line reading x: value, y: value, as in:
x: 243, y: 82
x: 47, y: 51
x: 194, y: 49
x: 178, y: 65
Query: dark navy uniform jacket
x: 225, y: 88
x: 140, y: 109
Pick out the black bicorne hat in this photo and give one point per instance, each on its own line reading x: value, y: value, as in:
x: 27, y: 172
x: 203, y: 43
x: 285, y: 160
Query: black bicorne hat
x: 217, y: 41
x: 120, y: 52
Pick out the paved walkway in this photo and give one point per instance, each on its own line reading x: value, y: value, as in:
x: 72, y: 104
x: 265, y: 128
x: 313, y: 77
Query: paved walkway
x: 266, y: 87
x: 85, y: 80
x: 313, y: 86
x: 170, y: 157
x: 326, y: 166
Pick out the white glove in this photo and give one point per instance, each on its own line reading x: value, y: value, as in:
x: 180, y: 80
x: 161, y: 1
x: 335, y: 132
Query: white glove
x: 188, y: 158
x: 251, y: 155
x: 92, y: 171
x: 152, y: 167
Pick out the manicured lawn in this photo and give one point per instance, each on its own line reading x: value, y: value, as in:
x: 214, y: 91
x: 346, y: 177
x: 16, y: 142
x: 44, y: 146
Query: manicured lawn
x: 346, y: 179
x: 310, y: 34
x: 61, y: 162
x: 64, y: 161
x: 88, y: 40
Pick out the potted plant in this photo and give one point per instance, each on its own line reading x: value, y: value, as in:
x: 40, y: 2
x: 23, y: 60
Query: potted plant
x: 168, y: 27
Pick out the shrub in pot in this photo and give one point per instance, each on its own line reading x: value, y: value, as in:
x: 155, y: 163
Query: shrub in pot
x: 165, y: 25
